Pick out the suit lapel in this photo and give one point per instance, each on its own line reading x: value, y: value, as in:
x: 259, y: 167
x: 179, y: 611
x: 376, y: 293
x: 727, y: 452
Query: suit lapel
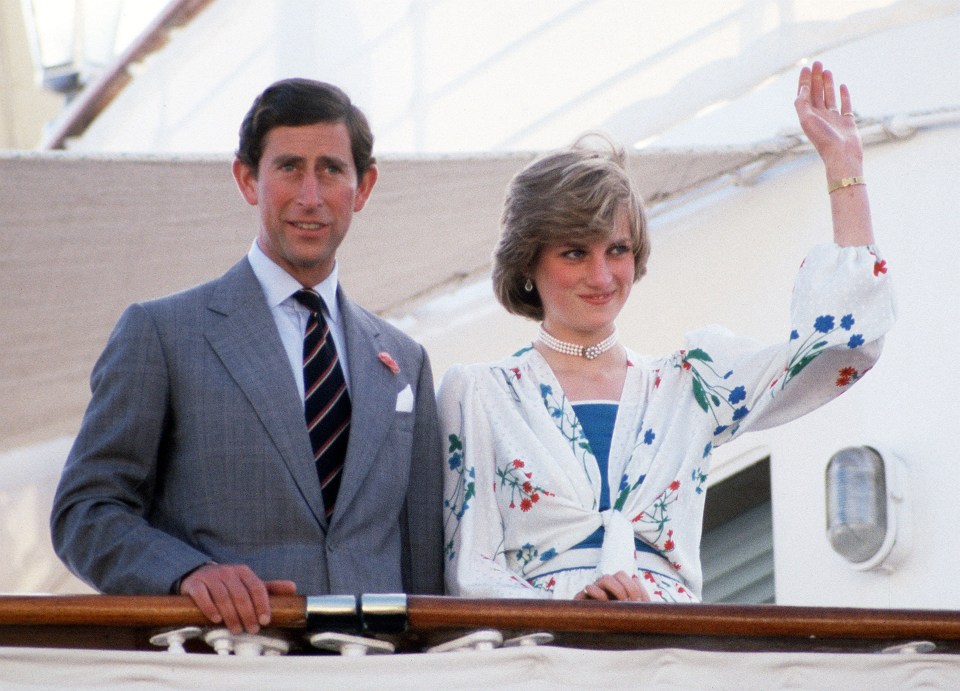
x: 373, y: 395
x: 242, y: 333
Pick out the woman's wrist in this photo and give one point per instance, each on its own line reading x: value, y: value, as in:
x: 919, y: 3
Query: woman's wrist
x: 843, y: 183
x: 842, y: 174
x: 843, y: 167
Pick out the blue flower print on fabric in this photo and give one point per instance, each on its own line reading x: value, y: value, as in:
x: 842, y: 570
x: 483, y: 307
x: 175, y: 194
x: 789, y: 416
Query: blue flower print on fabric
x: 625, y: 489
x: 824, y: 323
x: 457, y: 504
x: 527, y: 554
x: 815, y: 343
x: 712, y: 395
x: 569, y: 426
x: 738, y: 394
x: 697, y: 475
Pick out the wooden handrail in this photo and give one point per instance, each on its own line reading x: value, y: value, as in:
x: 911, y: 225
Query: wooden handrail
x: 124, y: 611
x: 742, y: 621
x: 429, y: 613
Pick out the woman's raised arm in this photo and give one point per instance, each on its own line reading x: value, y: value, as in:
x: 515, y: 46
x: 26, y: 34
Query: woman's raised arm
x: 832, y: 129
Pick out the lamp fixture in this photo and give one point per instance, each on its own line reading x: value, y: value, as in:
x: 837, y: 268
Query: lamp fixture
x: 867, y: 518
x: 73, y: 41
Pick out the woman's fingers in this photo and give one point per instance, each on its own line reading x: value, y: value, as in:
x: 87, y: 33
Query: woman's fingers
x: 846, y: 106
x: 816, y: 85
x: 633, y: 589
x: 595, y: 591
x: 829, y: 92
x: 620, y: 586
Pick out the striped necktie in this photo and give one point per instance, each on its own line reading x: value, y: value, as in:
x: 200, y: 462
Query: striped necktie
x: 326, y: 401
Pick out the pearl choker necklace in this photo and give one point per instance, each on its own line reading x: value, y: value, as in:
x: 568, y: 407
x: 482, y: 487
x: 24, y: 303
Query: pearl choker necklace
x: 588, y: 352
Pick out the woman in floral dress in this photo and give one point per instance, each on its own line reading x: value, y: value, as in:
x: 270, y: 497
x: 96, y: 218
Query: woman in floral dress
x: 577, y: 466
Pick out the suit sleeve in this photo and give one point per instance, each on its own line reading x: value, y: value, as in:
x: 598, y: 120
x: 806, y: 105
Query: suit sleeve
x: 98, y: 523
x: 423, y: 532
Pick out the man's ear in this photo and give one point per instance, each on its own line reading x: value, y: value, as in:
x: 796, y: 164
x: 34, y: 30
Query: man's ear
x: 246, y: 179
x: 367, y: 181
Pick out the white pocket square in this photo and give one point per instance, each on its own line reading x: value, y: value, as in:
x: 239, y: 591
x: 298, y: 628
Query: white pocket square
x: 405, y: 400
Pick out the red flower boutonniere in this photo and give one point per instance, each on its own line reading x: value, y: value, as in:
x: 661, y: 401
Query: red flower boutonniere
x: 389, y: 362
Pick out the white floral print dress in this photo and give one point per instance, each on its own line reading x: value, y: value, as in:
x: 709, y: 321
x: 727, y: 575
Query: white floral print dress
x: 522, y: 487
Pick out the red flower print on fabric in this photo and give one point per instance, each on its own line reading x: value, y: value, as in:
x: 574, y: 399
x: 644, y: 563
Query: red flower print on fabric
x: 669, y: 544
x: 668, y: 589
x: 656, y: 517
x: 847, y: 376
x: 520, y: 486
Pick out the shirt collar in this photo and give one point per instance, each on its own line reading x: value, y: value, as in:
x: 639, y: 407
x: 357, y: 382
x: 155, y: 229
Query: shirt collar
x: 278, y: 286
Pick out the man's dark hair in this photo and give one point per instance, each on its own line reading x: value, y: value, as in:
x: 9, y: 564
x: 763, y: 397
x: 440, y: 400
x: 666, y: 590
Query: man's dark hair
x: 295, y: 102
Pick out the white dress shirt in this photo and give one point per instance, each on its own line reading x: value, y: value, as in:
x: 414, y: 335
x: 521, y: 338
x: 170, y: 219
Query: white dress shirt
x: 291, y: 317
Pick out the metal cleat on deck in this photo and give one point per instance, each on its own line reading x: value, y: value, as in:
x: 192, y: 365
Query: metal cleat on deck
x: 245, y: 644
x: 529, y: 640
x: 221, y: 640
x: 911, y: 648
x: 350, y: 646
x: 175, y: 638
x: 485, y: 639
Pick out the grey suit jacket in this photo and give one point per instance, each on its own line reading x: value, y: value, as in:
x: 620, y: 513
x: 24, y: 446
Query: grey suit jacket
x: 194, y: 449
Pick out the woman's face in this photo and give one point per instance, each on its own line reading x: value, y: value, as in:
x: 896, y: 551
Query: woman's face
x: 584, y: 285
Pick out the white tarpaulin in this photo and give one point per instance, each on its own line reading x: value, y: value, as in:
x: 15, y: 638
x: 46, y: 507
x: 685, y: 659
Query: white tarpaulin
x: 516, y: 668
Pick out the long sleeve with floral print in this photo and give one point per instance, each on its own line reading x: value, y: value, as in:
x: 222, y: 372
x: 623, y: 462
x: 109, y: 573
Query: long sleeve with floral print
x: 522, y: 486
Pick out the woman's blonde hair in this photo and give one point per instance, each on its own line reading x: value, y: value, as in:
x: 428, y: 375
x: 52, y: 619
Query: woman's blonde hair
x: 568, y: 195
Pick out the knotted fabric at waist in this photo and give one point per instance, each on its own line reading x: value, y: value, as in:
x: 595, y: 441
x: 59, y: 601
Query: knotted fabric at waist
x: 609, y: 548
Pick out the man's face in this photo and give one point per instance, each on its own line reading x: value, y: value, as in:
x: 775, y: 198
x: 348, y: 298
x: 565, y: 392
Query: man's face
x: 307, y: 191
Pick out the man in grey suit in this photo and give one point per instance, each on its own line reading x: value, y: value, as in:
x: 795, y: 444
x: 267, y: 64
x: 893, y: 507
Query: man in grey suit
x: 193, y: 471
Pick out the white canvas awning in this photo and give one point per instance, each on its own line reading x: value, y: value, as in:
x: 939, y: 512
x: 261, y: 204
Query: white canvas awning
x: 85, y: 236
x: 509, y: 668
